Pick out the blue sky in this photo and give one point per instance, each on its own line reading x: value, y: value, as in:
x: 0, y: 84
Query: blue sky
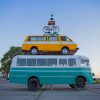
x: 79, y: 19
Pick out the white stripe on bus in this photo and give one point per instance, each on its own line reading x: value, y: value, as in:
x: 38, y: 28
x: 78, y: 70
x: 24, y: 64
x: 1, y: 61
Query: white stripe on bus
x: 60, y: 67
x: 44, y: 71
x: 56, y: 76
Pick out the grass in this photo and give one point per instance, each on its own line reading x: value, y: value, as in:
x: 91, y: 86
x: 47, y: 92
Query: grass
x: 97, y: 81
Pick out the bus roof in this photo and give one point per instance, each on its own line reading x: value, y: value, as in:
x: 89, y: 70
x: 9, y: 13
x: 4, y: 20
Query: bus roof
x: 50, y: 56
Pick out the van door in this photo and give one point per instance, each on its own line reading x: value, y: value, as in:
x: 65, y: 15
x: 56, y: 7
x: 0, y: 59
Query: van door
x: 53, y: 43
x: 41, y: 42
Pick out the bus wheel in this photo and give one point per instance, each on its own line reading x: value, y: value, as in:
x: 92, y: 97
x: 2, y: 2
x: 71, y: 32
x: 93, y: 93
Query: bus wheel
x: 33, y: 84
x: 72, y: 85
x: 80, y: 83
x: 34, y: 51
x: 41, y: 85
x: 64, y: 51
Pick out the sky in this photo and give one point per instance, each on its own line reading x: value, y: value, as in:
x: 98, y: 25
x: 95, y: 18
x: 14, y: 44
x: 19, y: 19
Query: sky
x: 78, y: 19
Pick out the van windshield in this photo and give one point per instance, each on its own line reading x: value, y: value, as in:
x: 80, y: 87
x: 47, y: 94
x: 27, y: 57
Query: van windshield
x: 85, y: 62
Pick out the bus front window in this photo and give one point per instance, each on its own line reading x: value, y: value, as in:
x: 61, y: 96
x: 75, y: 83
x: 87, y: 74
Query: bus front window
x: 85, y: 62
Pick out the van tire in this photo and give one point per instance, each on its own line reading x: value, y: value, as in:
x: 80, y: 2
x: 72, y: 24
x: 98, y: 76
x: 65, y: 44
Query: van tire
x: 33, y: 84
x: 64, y: 51
x: 80, y: 83
x: 34, y: 51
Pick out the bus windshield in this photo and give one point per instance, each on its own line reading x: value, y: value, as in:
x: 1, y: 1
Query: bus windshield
x: 85, y: 62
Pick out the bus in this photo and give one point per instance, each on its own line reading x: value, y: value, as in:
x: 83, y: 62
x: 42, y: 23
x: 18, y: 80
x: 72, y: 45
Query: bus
x: 37, y: 70
x: 44, y: 44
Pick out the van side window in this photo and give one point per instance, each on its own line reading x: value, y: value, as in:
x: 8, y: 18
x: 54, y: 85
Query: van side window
x: 51, y: 62
x: 62, y: 62
x: 41, y: 38
x: 41, y: 62
x: 21, y: 62
x: 37, y: 38
x: 72, y: 62
x: 31, y: 62
x: 52, y: 38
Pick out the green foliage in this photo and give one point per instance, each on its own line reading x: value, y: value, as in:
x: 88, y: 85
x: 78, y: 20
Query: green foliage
x: 97, y: 81
x: 7, y: 58
x: 0, y: 69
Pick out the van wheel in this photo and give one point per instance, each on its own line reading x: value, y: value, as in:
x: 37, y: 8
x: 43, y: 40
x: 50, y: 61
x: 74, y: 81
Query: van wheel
x: 72, y: 85
x: 80, y: 83
x: 64, y: 51
x: 34, y: 51
x: 33, y: 84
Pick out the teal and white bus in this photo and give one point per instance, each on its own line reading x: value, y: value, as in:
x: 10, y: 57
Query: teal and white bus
x: 37, y: 70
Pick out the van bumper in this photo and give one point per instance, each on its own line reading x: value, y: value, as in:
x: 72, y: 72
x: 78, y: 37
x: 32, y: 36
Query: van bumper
x: 72, y: 52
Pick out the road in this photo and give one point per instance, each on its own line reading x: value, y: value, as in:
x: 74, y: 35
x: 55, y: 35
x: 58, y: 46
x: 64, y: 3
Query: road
x: 1, y: 74
x: 11, y: 91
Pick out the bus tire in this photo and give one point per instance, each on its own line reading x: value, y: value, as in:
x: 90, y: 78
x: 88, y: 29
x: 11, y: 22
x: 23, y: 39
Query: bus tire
x: 80, y: 83
x: 41, y: 85
x: 72, y: 85
x: 33, y: 84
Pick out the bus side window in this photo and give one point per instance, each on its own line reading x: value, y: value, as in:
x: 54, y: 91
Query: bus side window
x: 21, y: 62
x: 72, y: 62
x: 31, y: 62
x: 41, y: 62
x: 51, y: 62
x: 62, y: 62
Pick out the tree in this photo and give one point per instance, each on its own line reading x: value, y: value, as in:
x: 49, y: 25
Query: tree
x: 0, y: 69
x: 7, y: 58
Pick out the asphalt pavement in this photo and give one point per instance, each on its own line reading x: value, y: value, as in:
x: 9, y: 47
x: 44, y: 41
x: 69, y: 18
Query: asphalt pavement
x: 11, y: 91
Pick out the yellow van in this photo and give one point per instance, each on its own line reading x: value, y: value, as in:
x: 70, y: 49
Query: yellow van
x: 58, y: 44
